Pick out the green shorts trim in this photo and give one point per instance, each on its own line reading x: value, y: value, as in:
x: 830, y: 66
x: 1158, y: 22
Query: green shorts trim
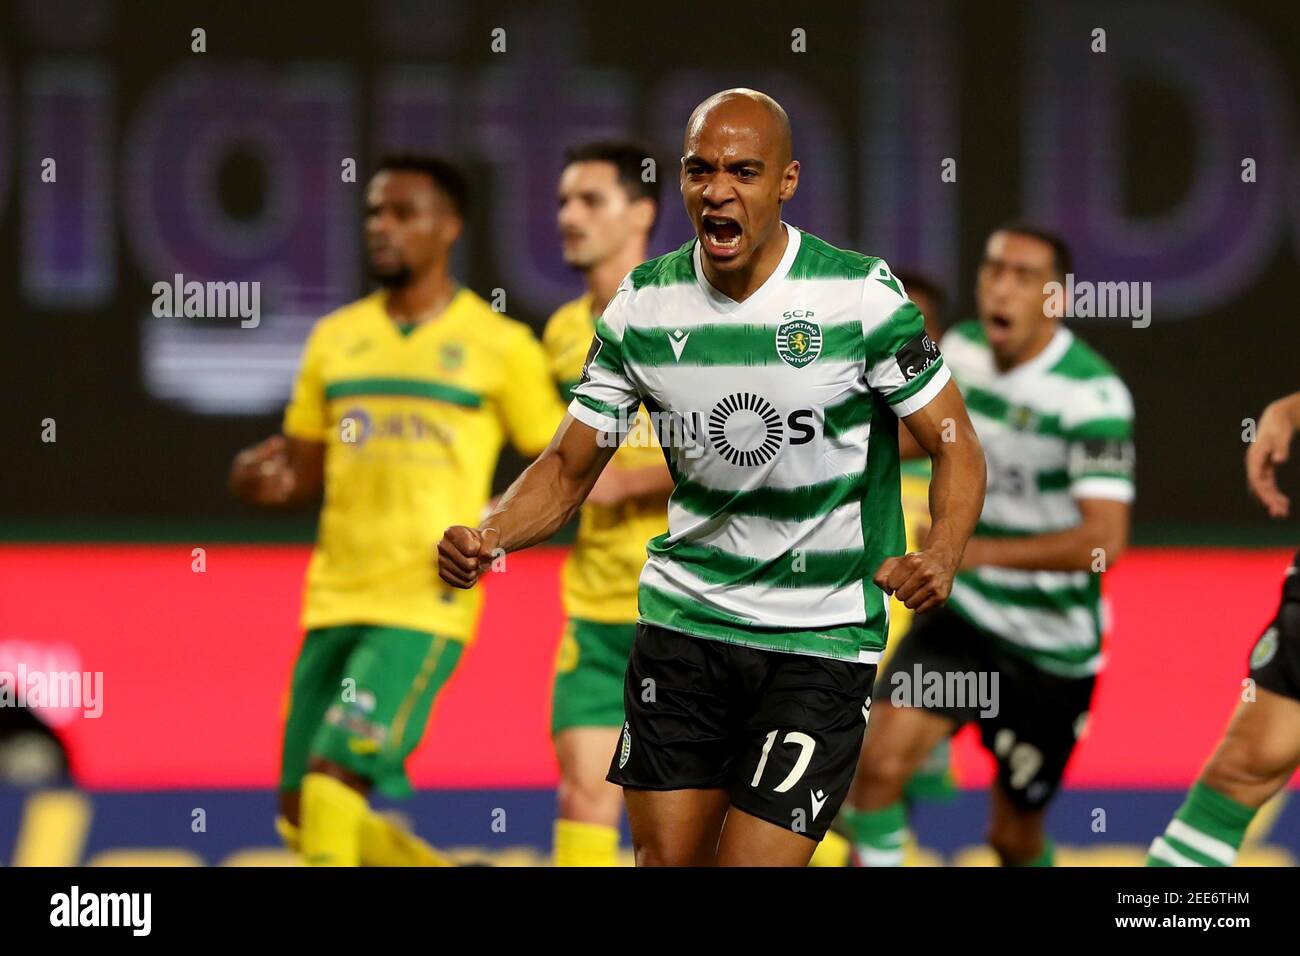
x: 360, y: 697
x: 589, y: 669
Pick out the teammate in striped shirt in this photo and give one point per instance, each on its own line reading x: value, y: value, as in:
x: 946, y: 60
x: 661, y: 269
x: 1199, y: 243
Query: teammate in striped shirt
x: 1055, y: 422
x: 777, y: 367
x: 1260, y: 750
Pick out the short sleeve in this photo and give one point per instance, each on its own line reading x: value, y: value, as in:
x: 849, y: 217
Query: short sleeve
x: 606, y: 398
x: 305, y: 416
x: 903, y: 365
x: 530, y: 408
x: 566, y: 340
x: 1098, y: 427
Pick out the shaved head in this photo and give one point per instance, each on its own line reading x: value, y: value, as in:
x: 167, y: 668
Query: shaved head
x: 748, y: 108
x: 736, y: 175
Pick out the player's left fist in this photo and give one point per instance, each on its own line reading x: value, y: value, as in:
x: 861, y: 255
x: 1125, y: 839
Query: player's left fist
x: 464, y: 554
x: 920, y: 579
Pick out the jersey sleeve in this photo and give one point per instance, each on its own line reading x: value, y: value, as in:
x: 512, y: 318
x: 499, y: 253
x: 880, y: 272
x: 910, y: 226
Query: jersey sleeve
x: 1099, y: 434
x: 903, y: 365
x: 566, y: 342
x: 606, y: 398
x: 305, y: 416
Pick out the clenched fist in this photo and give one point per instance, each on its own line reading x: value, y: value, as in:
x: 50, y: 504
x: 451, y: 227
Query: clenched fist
x: 920, y: 579
x: 262, y: 475
x: 464, y: 554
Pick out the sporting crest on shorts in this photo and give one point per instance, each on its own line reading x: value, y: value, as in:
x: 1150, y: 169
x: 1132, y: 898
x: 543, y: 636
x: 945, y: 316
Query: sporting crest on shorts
x: 798, y: 342
x: 1264, y: 649
x: 625, y: 751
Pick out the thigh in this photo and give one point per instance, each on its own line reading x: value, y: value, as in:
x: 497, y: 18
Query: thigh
x: 802, y: 741
x: 747, y: 840
x: 679, y: 726
x: 317, y: 678
x: 380, y: 713
x: 675, y: 827
x: 1259, y: 751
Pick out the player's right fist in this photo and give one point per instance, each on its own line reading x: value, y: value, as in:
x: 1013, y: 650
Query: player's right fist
x: 463, y: 555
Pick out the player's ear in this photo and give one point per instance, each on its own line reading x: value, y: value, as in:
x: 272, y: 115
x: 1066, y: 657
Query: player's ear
x: 643, y: 212
x: 452, y: 227
x: 789, y: 180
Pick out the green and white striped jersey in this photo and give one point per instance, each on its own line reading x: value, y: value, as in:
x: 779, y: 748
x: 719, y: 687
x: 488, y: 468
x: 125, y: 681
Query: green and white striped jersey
x: 777, y: 417
x: 1056, y: 429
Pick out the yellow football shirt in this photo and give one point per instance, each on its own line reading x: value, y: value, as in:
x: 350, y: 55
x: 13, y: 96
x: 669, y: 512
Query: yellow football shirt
x: 412, y: 423
x: 601, y: 573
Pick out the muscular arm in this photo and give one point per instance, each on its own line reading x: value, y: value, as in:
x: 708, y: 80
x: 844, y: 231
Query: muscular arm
x: 923, y: 579
x: 1103, y: 525
x: 533, y: 508
x: 280, y: 472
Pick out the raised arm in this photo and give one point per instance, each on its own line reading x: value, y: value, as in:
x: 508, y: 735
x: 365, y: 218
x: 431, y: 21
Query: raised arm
x: 537, y: 505
x: 923, y: 579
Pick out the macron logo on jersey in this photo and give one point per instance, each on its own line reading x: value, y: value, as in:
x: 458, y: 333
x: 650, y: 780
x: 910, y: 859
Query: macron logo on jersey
x: 678, y: 341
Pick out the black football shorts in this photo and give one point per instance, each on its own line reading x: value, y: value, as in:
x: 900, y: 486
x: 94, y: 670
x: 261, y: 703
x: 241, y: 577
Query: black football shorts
x: 780, y: 732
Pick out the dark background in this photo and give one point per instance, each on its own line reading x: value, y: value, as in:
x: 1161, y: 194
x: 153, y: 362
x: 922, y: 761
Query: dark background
x: 224, y: 165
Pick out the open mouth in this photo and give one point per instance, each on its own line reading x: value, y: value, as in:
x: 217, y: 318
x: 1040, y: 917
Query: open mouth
x: 998, y: 328
x: 721, y: 235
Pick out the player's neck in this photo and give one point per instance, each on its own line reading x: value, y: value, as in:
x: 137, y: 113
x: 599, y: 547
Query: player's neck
x: 422, y: 299
x: 741, y: 284
x: 604, y: 277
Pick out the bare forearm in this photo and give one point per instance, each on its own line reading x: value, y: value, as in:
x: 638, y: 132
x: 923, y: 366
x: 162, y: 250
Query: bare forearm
x: 535, y: 506
x: 1082, y: 548
x: 651, y: 482
x: 956, y: 496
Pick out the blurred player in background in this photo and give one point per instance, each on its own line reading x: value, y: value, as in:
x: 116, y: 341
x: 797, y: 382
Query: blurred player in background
x: 401, y: 406
x: 1055, y: 422
x: 1261, y: 748
x: 607, y: 213
x: 933, y: 779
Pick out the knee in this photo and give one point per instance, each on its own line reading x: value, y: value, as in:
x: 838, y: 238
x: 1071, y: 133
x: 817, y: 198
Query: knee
x: 589, y: 800
x: 1245, y: 767
x: 884, y: 769
x: 660, y: 853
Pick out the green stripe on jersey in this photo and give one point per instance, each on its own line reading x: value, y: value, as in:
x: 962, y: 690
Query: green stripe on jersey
x: 794, y: 569
x: 404, y: 387
x: 818, y: 259
x: 689, y: 616
x: 781, y: 504
x: 736, y: 345
x: 1059, y: 600
x: 674, y: 268
x: 605, y: 408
